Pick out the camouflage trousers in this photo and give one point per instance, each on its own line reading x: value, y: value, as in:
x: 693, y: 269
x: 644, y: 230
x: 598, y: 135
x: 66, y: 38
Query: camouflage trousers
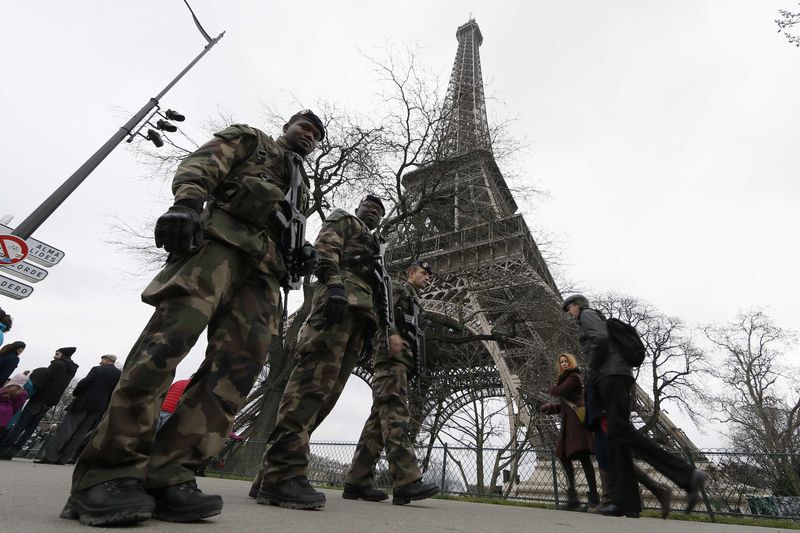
x: 387, y: 426
x: 327, y: 356
x: 214, y: 287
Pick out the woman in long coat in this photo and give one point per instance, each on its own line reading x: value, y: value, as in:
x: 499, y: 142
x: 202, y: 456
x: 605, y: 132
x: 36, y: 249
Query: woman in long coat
x: 575, y: 440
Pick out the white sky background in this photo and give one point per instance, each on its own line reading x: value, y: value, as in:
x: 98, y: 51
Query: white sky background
x: 674, y: 122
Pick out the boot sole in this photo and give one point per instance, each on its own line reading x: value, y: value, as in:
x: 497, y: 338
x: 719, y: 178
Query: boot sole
x: 88, y: 517
x: 187, y: 515
x: 348, y: 496
x: 421, y: 496
x: 263, y: 499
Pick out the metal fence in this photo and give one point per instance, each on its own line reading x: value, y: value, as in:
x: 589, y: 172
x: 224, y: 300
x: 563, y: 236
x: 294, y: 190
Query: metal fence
x: 741, y: 484
x: 765, y: 485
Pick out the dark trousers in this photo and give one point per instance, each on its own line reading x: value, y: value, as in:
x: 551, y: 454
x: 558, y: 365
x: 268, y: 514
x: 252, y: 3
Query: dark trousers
x: 624, y: 441
x: 72, y: 433
x: 32, y: 414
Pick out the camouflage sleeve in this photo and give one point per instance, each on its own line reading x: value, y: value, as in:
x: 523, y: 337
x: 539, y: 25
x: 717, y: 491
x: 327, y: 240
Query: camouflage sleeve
x: 329, y: 246
x: 201, y: 171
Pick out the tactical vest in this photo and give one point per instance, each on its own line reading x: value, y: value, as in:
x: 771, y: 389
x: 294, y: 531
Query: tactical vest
x: 251, y: 189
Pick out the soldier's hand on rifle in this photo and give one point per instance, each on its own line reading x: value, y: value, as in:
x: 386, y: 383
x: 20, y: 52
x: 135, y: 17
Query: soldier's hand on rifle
x: 397, y: 344
x: 336, y: 304
x: 308, y: 259
x: 178, y: 230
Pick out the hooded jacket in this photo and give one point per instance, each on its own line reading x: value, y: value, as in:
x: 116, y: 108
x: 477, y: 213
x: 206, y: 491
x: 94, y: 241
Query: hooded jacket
x: 51, y: 382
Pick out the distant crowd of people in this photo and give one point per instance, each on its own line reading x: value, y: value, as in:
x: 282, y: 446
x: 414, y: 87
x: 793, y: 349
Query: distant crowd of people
x: 26, y: 399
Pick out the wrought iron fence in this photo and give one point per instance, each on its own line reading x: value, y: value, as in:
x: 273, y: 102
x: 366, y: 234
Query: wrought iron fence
x: 742, y: 484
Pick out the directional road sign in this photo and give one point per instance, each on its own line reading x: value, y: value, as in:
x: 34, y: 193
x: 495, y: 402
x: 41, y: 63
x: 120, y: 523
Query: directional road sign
x: 12, y: 249
x: 39, y: 252
x: 14, y: 289
x: 26, y: 271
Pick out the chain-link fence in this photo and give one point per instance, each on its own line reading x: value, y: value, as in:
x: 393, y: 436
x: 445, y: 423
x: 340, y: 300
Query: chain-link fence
x: 743, y: 484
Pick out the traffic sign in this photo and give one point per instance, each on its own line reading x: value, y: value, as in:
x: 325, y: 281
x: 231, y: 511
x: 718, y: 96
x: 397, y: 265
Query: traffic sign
x: 12, y: 249
x: 14, y: 289
x: 26, y: 271
x: 39, y: 252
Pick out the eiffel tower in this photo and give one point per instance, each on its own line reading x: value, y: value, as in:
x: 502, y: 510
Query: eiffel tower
x: 491, y: 284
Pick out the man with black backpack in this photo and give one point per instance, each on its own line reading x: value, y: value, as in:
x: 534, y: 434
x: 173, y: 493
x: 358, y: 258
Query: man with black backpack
x: 610, y: 371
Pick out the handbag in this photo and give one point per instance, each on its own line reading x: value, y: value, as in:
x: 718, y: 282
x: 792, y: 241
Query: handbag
x: 580, y: 412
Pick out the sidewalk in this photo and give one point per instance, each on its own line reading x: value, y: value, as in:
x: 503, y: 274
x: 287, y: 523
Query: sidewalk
x: 31, y: 496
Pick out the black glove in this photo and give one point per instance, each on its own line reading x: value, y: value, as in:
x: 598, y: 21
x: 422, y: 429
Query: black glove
x: 336, y: 304
x: 308, y: 259
x: 178, y: 230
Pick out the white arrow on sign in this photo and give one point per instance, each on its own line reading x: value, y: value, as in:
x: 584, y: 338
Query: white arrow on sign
x: 38, y: 252
x: 14, y: 289
x: 26, y: 271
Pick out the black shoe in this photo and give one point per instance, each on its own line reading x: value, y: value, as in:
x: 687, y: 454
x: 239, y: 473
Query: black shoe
x: 572, y: 502
x: 593, y: 501
x: 693, y: 490
x: 613, y: 509
x: 184, y: 502
x: 119, y: 501
x: 414, y: 491
x: 292, y: 493
x: 369, y: 493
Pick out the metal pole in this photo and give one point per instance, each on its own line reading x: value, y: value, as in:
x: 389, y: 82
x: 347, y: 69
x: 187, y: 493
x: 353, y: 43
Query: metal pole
x: 41, y: 213
x: 444, y: 467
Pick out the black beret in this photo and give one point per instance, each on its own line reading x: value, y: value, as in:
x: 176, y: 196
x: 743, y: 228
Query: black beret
x: 424, y: 265
x: 375, y: 199
x: 307, y: 114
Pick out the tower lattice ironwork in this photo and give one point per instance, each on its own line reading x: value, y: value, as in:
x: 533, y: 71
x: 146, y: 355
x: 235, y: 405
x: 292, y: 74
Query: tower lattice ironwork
x: 496, y: 318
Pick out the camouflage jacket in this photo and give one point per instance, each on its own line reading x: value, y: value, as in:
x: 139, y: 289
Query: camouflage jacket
x: 346, y: 249
x: 242, y: 173
x: 406, y: 297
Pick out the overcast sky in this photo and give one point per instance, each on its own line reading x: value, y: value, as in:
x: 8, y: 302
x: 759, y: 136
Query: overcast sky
x: 671, y: 125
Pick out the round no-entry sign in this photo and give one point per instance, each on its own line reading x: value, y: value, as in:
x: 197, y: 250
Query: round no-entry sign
x: 12, y: 249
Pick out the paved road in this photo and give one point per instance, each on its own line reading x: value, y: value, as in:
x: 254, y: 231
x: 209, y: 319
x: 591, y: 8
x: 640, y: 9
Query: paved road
x: 31, y: 497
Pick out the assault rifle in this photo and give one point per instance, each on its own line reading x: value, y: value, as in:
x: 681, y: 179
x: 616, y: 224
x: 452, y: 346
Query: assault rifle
x: 291, y: 222
x: 383, y: 285
x: 413, y: 325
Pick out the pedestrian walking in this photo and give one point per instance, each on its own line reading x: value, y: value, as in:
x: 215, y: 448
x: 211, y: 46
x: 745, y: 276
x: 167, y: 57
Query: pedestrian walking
x: 574, y: 440
x: 12, y: 397
x: 50, y: 384
x: 90, y: 399
x: 9, y: 359
x: 387, y: 424
x: 232, y: 245
x: 612, y: 376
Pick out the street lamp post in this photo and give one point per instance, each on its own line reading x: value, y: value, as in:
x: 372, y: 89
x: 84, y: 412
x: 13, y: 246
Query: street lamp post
x: 41, y: 213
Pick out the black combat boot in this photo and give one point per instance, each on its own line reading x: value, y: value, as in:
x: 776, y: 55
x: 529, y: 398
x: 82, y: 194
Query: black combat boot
x: 119, y: 501
x: 184, y: 502
x: 414, y: 491
x: 293, y: 493
x: 368, y: 493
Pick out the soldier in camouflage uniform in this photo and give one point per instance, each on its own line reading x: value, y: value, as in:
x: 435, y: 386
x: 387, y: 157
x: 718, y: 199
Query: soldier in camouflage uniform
x: 387, y: 424
x: 224, y: 272
x: 343, y: 316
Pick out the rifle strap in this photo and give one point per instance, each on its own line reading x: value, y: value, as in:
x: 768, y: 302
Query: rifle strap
x: 284, y: 316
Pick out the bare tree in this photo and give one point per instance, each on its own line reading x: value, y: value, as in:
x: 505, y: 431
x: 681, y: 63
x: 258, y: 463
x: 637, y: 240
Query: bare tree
x: 675, y: 365
x: 787, y: 20
x: 759, y: 401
